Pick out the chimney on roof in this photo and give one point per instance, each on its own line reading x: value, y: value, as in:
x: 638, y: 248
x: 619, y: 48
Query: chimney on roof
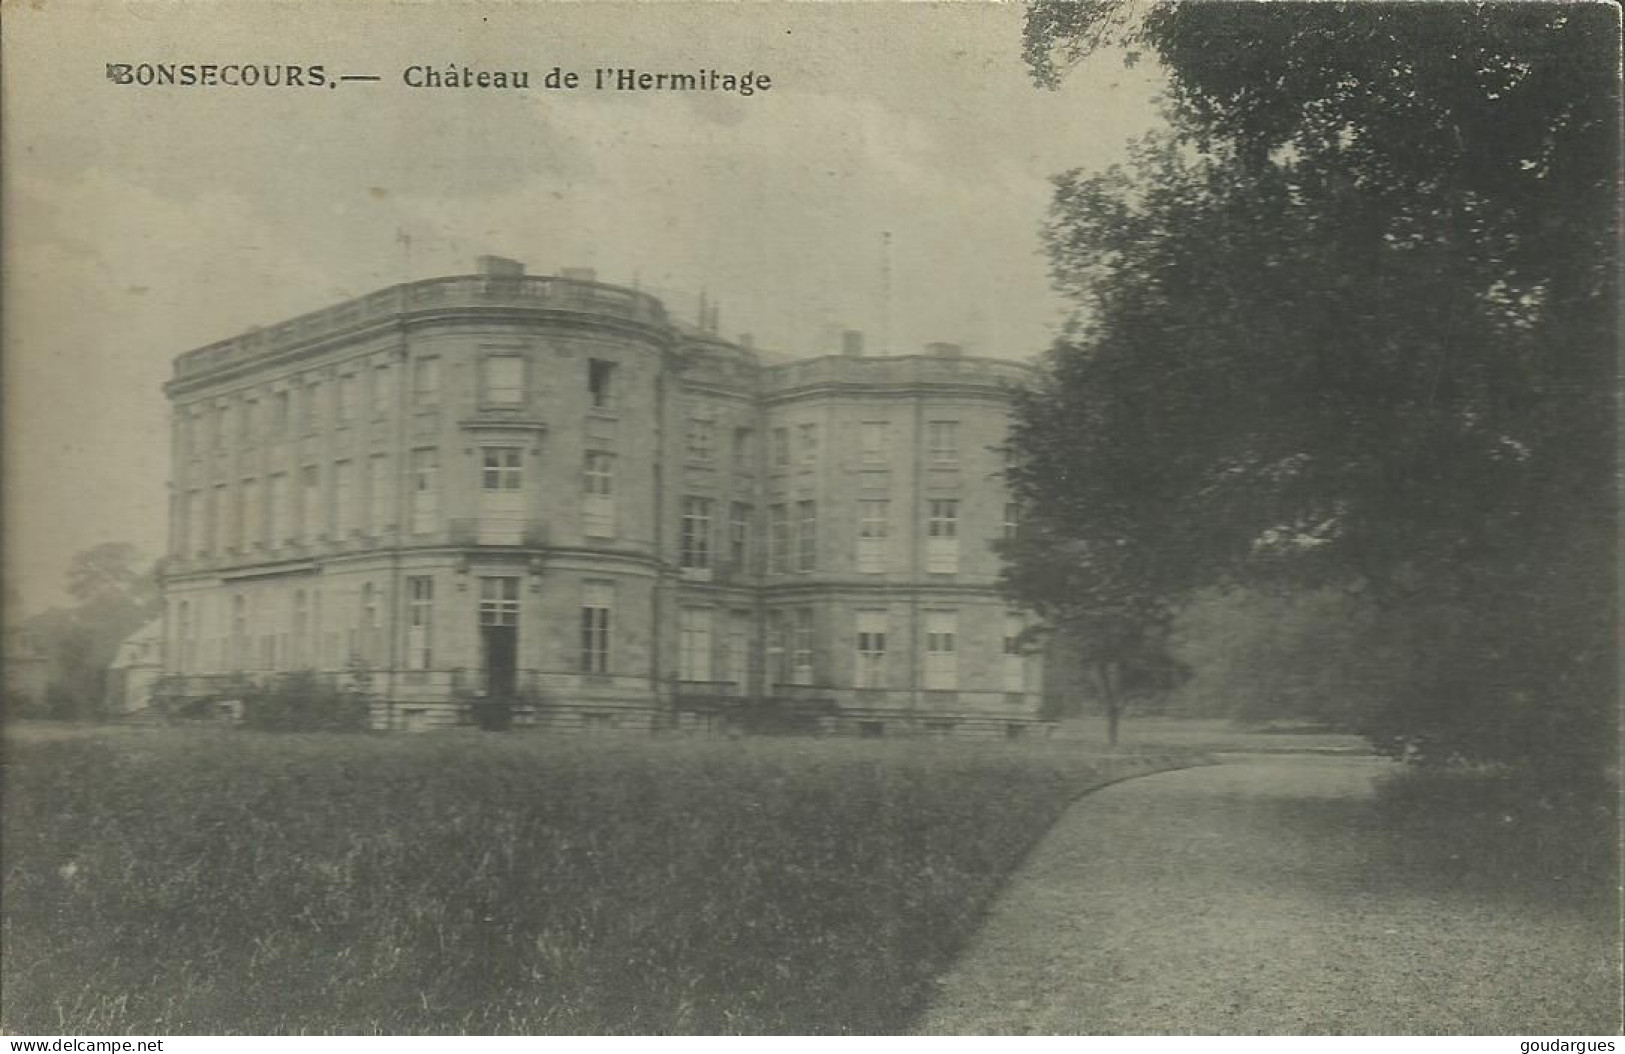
x: 852, y: 342
x: 500, y: 267
x: 943, y: 349
x: 579, y: 274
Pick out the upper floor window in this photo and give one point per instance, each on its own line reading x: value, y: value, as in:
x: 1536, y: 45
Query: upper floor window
x: 250, y: 424
x: 601, y: 383
x: 739, y: 515
x: 781, y: 448
x: 872, y: 435
x: 695, y: 542
x: 744, y: 452
x: 942, y: 439
x: 310, y: 414
x: 381, y: 391
x: 218, y: 429
x: 779, y: 537
x: 807, y: 441
x: 502, y: 380
x: 942, y: 537
x: 702, y: 438
x: 280, y: 413
x: 874, y: 521
x: 349, y: 404
x: 597, y: 500
x: 807, y: 547
x: 426, y: 381
x: 598, y: 473
x: 501, y: 469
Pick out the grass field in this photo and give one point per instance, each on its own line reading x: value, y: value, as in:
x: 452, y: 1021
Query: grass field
x: 213, y: 881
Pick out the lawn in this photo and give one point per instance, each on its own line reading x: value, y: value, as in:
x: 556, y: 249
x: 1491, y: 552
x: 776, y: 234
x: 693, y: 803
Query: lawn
x: 219, y: 881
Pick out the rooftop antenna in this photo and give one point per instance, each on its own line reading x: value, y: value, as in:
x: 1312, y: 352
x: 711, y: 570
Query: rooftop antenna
x: 885, y: 292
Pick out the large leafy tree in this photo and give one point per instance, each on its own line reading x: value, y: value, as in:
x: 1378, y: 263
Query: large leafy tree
x: 1350, y: 322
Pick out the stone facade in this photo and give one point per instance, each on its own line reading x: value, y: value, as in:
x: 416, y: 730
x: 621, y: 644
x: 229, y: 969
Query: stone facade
x: 543, y: 489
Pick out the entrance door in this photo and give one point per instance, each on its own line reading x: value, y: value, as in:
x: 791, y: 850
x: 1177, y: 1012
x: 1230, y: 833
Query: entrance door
x: 501, y: 648
x: 499, y: 634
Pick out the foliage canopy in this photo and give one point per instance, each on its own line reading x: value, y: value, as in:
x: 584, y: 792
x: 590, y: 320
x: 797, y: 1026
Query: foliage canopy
x: 1348, y: 323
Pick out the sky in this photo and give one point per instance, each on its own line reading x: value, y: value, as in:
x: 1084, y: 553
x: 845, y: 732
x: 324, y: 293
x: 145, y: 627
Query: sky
x: 142, y: 222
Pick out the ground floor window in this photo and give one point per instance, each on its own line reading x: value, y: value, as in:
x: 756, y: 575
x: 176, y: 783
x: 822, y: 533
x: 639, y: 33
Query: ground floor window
x: 941, y: 656
x: 596, y: 601
x: 694, y: 644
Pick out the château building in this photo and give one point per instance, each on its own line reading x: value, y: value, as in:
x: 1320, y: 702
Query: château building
x: 544, y: 489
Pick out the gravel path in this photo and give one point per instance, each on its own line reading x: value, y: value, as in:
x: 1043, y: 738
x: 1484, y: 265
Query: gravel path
x: 1261, y: 896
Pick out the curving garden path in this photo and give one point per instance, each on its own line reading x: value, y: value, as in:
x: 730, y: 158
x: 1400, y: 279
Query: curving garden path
x: 1262, y: 896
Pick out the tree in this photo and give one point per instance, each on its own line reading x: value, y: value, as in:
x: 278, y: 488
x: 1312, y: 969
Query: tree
x: 115, y: 597
x: 1349, y: 323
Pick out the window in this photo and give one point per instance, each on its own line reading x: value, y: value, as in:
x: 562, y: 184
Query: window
x: 310, y: 505
x: 381, y: 390
x: 873, y: 435
x: 778, y: 655
x: 349, y: 403
x: 871, y: 672
x: 942, y: 537
x: 601, y: 383
x: 807, y: 538
x: 278, y: 499
x: 197, y: 531
x: 942, y: 440
x: 596, y: 601
x: 425, y: 495
x: 744, y: 450
x: 739, y: 515
x: 694, y: 644
x: 1012, y: 521
x: 502, y: 505
x: 874, y: 523
x: 702, y: 439
x: 250, y: 421
x: 369, y: 623
x: 301, y: 630
x: 1015, y: 663
x: 598, y: 488
x: 499, y: 601
x: 183, y: 637
x: 253, y: 515
x: 941, y: 659
x: 502, y: 380
x: 219, y: 517
x: 426, y: 381
x: 279, y: 413
x: 380, y: 493
x: 801, y: 658
x: 695, y: 551
x: 218, y: 429
x: 239, y: 631
x: 500, y: 468
x: 778, y: 538
x: 781, y: 449
x: 344, y: 504
x: 419, y: 622
x: 807, y: 443
x: 310, y: 415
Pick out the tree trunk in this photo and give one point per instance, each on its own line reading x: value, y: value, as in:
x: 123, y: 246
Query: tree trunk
x: 1106, y: 673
